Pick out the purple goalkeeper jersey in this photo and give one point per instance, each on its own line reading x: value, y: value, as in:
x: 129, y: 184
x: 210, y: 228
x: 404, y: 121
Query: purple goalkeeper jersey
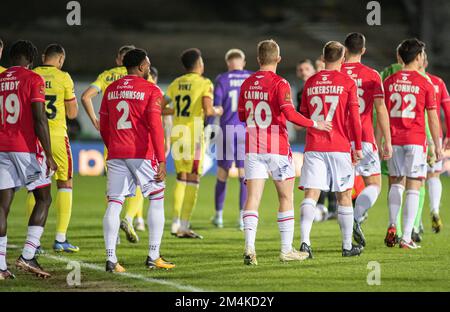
x: 226, y: 94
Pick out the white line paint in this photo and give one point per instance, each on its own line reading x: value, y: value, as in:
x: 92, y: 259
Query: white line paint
x: 140, y: 277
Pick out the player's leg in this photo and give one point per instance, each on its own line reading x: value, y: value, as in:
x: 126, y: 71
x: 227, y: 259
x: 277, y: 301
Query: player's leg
x: 416, y: 234
x: 242, y: 195
x: 27, y: 260
x: 6, y: 198
x: 29, y: 205
x: 187, y: 209
x: 62, y: 154
x: 120, y: 184
x: 416, y: 170
x: 220, y: 191
x: 396, y: 166
x: 435, y: 193
x: 345, y: 220
x: 178, y: 198
x: 139, y: 223
x: 314, y: 178
x: 365, y: 200
x: 132, y: 205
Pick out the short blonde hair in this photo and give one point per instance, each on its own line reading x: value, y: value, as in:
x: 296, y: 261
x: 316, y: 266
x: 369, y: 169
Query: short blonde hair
x: 268, y: 52
x: 333, y: 51
x: 234, y: 53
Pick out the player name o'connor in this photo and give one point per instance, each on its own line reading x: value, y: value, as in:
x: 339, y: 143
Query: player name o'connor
x: 325, y: 90
x: 402, y: 87
x: 9, y: 86
x: 126, y: 95
x: 256, y: 95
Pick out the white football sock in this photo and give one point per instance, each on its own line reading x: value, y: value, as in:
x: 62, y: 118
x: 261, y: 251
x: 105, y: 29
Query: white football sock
x: 395, y: 198
x: 409, y: 213
x: 434, y: 193
x: 345, y: 219
x: 111, y: 225
x: 184, y: 226
x: 365, y: 200
x: 155, y: 221
x: 3, y: 243
x: 60, y: 237
x: 307, y: 214
x: 286, y: 223
x: 32, y: 242
x: 219, y: 214
x: 250, y: 227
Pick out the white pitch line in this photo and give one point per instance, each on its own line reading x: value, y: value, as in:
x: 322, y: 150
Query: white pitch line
x: 126, y: 274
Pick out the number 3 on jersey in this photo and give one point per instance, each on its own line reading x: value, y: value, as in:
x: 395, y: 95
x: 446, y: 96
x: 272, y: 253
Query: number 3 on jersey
x: 317, y: 103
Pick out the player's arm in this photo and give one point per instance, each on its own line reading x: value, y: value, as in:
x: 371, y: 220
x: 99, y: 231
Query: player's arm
x: 382, y: 119
x: 157, y: 134
x: 355, y: 121
x: 241, y: 106
x: 86, y: 100
x: 445, y: 104
x: 41, y: 122
x: 167, y: 110
x: 209, y: 109
x: 104, y: 122
x: 302, y: 109
x: 70, y: 100
x: 433, y: 119
x: 289, y: 112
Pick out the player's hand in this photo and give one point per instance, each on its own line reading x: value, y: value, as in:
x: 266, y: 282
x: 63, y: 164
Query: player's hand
x: 387, y: 151
x: 431, y: 155
x: 218, y: 110
x: 51, y: 166
x: 357, y: 156
x: 161, y: 174
x: 446, y: 144
x: 96, y: 123
x: 323, y: 125
x: 439, y: 153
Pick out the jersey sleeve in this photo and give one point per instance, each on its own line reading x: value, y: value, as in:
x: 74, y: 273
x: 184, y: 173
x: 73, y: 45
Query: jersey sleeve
x: 208, y: 90
x: 99, y: 83
x: 284, y: 95
x: 430, y: 96
x: 241, y: 105
x: 169, y: 95
x: 355, y: 119
x: 284, y: 99
x: 218, y: 93
x: 153, y: 111
x: 378, y: 90
x: 445, y: 104
x: 37, y: 89
x: 69, y: 89
x: 303, y: 105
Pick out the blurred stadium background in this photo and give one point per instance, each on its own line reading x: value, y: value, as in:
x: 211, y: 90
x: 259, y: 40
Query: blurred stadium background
x: 166, y: 27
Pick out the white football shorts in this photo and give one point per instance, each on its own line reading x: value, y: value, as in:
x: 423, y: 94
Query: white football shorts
x: 408, y: 161
x: 260, y: 166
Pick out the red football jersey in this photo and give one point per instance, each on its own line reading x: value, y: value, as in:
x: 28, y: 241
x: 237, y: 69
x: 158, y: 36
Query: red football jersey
x: 407, y: 95
x: 442, y: 100
x: 263, y: 98
x: 331, y: 95
x: 130, y: 120
x: 369, y: 87
x: 19, y: 87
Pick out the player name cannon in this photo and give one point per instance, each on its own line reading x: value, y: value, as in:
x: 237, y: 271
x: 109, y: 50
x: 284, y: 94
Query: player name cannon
x: 256, y: 95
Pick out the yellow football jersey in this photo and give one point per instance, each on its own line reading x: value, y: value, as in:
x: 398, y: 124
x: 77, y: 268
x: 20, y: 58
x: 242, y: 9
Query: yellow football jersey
x: 58, y: 88
x: 186, y: 93
x: 2, y: 69
x: 109, y: 76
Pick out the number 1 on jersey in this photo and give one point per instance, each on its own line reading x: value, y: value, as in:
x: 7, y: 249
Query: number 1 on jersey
x: 11, y: 109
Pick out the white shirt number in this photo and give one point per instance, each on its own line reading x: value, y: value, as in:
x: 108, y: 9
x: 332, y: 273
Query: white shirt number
x: 10, y: 109
x: 316, y: 102
x: 397, y: 111
x: 123, y: 122
x: 233, y: 95
x: 255, y: 116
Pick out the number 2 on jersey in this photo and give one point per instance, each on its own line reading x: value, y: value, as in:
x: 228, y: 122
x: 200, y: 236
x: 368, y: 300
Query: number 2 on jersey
x: 317, y: 102
x: 254, y: 117
x: 9, y: 109
x: 187, y: 103
x: 123, y: 122
x: 396, y: 110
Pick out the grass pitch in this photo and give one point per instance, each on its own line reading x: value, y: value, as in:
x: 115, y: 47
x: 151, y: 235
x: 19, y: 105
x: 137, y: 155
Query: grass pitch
x: 215, y: 263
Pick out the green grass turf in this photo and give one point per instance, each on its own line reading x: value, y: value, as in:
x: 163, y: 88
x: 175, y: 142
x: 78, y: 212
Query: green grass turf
x: 215, y: 263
